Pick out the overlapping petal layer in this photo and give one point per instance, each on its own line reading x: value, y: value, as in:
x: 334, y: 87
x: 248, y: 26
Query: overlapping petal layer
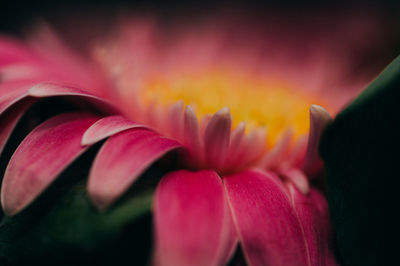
x: 266, y: 222
x: 124, y: 157
x: 41, y: 157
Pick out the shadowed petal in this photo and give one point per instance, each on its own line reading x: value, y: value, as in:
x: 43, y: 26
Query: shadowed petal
x: 319, y: 119
x: 191, y: 219
x: 121, y: 160
x: 41, y: 157
x: 13, y: 95
x: 313, y: 213
x: 107, y: 127
x: 9, y: 120
x: 267, y: 225
x: 43, y: 90
x: 216, y: 138
x: 13, y: 92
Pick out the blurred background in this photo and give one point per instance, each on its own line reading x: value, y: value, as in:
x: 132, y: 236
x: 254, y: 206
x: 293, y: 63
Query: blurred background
x: 17, y: 13
x: 18, y: 16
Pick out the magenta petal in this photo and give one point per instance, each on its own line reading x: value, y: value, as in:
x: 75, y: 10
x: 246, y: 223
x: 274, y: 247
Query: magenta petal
x: 192, y: 138
x: 41, y: 157
x: 217, y: 138
x: 44, y: 90
x: 11, y: 95
x: 313, y: 213
x: 107, y: 127
x: 268, y: 227
x: 121, y: 160
x: 9, y: 120
x: 319, y: 119
x: 191, y: 220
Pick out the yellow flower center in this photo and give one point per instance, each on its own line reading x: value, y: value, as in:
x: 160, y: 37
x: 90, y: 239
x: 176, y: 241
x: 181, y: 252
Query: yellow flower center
x: 251, y: 99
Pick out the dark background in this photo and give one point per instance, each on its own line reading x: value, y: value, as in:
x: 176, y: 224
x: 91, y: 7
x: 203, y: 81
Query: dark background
x: 17, y: 13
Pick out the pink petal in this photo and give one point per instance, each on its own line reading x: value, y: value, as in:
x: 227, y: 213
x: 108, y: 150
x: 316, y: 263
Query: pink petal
x: 313, y: 213
x: 9, y: 120
x: 267, y: 225
x: 191, y: 220
x: 319, y: 119
x: 254, y: 146
x: 236, y: 145
x: 41, y: 157
x: 121, y: 160
x: 11, y: 93
x: 44, y: 90
x: 276, y: 155
x: 192, y: 135
x: 216, y: 138
x: 107, y: 127
x: 175, y: 121
x: 297, y: 178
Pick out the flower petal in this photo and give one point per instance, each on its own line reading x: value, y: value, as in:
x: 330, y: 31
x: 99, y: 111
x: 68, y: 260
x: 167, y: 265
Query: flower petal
x: 9, y: 120
x: 106, y: 127
x: 297, y: 178
x: 175, y: 120
x: 41, y: 157
x: 121, y: 160
x: 319, y: 119
x: 191, y: 219
x: 192, y: 138
x: 216, y: 138
x: 44, y: 90
x: 313, y: 213
x: 266, y: 222
x: 11, y: 93
x: 14, y: 91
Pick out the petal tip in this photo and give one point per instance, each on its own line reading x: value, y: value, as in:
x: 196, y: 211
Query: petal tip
x: 317, y: 110
x: 223, y: 112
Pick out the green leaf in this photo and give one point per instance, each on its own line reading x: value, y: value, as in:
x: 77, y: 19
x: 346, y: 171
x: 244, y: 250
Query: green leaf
x: 62, y: 227
x: 361, y: 150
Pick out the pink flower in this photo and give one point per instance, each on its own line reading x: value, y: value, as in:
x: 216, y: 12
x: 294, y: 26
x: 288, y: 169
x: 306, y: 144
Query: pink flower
x: 234, y: 186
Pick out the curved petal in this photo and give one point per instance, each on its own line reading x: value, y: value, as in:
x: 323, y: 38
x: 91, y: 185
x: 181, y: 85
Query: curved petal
x: 192, y: 138
x: 9, y: 120
x: 43, y: 90
x: 191, y: 219
x: 267, y: 225
x: 41, y: 157
x: 121, y: 160
x: 107, y: 127
x: 217, y: 137
x: 319, y: 120
x: 15, y: 91
x: 313, y: 213
x: 13, y: 95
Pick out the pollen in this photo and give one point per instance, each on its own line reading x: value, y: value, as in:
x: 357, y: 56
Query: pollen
x: 258, y: 102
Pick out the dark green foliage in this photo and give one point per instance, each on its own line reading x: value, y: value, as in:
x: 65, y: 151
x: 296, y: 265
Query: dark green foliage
x: 361, y: 150
x: 62, y: 227
x: 72, y: 232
